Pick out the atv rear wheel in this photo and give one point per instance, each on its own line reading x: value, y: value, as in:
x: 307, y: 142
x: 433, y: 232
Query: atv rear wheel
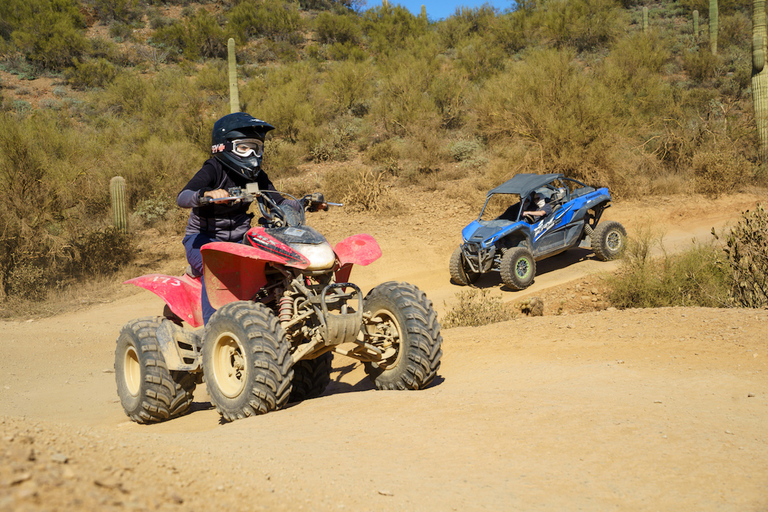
x: 460, y: 273
x: 518, y: 268
x: 403, y: 325
x: 311, y: 377
x: 148, y: 391
x: 609, y: 240
x: 246, y: 361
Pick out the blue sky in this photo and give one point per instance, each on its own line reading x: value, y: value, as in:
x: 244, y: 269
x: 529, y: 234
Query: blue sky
x: 437, y: 10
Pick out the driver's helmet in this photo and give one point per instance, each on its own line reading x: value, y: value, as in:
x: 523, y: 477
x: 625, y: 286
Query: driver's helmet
x: 238, y: 143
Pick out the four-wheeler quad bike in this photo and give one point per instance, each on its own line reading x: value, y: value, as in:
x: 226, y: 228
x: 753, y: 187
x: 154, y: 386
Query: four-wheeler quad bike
x: 503, y: 239
x: 284, y: 305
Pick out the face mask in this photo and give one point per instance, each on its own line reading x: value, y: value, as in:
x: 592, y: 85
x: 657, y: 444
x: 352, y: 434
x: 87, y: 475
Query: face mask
x: 540, y: 203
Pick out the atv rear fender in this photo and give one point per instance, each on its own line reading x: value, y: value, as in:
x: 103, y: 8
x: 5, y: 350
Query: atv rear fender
x: 182, y: 294
x: 358, y: 249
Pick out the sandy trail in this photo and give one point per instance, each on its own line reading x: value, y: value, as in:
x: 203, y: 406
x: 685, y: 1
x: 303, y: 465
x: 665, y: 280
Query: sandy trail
x: 614, y: 410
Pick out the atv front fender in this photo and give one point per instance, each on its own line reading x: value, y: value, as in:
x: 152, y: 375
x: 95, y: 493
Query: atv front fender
x: 182, y: 294
x: 232, y: 272
x: 358, y: 249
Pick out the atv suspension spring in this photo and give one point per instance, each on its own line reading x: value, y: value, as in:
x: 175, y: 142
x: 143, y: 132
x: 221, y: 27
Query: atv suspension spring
x: 286, y: 309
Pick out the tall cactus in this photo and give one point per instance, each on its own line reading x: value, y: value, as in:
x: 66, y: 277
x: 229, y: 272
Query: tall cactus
x: 713, y: 26
x: 760, y: 74
x: 645, y: 19
x: 234, y: 93
x: 119, y: 210
x: 696, y: 24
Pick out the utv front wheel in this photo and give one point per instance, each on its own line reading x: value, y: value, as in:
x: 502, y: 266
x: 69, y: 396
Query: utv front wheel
x: 460, y: 272
x: 246, y: 361
x: 609, y: 240
x: 148, y: 391
x: 518, y: 268
x: 403, y: 325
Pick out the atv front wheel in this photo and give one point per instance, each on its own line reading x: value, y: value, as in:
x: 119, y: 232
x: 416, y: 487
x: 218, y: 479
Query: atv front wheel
x: 246, y: 361
x: 609, y: 240
x: 518, y: 268
x: 403, y: 325
x: 311, y: 377
x: 460, y: 272
x: 148, y: 391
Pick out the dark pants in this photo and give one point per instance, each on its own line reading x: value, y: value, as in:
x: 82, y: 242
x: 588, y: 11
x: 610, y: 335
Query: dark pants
x: 192, y: 245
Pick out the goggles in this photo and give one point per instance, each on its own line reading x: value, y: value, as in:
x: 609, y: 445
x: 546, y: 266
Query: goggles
x: 247, y: 147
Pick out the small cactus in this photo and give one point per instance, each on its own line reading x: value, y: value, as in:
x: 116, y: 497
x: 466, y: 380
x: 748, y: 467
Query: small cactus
x: 645, y: 19
x: 696, y: 24
x: 119, y: 210
x: 234, y: 93
x: 713, y: 26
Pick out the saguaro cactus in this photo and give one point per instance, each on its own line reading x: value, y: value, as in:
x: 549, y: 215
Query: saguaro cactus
x: 234, y: 93
x: 760, y: 74
x: 119, y: 210
x: 696, y: 24
x: 645, y: 19
x: 713, y: 26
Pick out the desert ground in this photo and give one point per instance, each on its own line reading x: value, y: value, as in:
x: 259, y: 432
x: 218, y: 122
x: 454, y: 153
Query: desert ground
x: 584, y: 408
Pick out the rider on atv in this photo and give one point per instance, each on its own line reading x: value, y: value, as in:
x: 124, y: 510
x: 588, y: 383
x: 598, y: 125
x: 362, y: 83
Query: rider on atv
x: 237, y: 145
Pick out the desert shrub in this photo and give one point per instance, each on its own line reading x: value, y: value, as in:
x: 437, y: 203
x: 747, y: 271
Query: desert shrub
x: 562, y: 112
x: 581, y: 24
x: 348, y: 87
x: 335, y: 146
x: 197, y: 36
x: 746, y: 259
x: 276, y: 19
x: 282, y: 158
x: 99, y: 252
x: 700, y: 64
x: 719, y: 171
x: 91, y: 73
x: 465, y: 23
x: 117, y: 10
x: 480, y: 60
x: 690, y: 278
x: 213, y: 77
x: 359, y: 188
x: 388, y: 28
x: 476, y: 308
x: 49, y: 32
x: 450, y: 93
x: 335, y: 28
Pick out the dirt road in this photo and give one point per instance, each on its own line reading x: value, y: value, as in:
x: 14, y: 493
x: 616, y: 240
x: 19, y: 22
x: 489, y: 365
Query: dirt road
x: 612, y: 410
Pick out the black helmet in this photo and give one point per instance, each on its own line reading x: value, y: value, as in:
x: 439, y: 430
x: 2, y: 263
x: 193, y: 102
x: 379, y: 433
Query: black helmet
x: 238, y: 141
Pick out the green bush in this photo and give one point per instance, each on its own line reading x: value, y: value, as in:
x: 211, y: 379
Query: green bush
x: 580, y: 24
x: 198, y: 36
x: 335, y: 28
x: 691, y: 278
x: 360, y: 188
x: 276, y: 19
x: 91, y: 73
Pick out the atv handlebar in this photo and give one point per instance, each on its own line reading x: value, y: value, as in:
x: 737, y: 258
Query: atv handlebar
x: 269, y: 209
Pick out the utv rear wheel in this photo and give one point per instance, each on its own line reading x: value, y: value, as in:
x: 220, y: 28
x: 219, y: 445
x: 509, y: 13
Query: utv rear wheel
x: 460, y: 272
x: 609, y: 240
x: 246, y: 361
x: 518, y: 268
x: 311, y: 377
x: 148, y: 391
x: 403, y: 325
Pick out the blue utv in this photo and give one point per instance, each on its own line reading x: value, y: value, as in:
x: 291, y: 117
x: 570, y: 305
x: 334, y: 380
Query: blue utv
x: 506, y: 239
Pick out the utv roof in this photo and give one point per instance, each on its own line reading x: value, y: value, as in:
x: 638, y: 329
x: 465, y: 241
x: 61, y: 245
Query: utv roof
x: 524, y: 184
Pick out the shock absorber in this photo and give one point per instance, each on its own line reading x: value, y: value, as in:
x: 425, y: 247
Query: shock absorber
x: 286, y: 309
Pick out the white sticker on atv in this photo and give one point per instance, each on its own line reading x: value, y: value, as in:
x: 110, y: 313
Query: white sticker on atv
x: 167, y: 280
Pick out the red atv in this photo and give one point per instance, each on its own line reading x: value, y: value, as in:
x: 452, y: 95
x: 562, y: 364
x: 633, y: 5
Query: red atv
x: 284, y: 306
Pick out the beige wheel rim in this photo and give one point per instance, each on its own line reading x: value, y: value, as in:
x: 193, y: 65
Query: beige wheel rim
x: 229, y: 370
x: 389, y: 335
x: 132, y: 371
